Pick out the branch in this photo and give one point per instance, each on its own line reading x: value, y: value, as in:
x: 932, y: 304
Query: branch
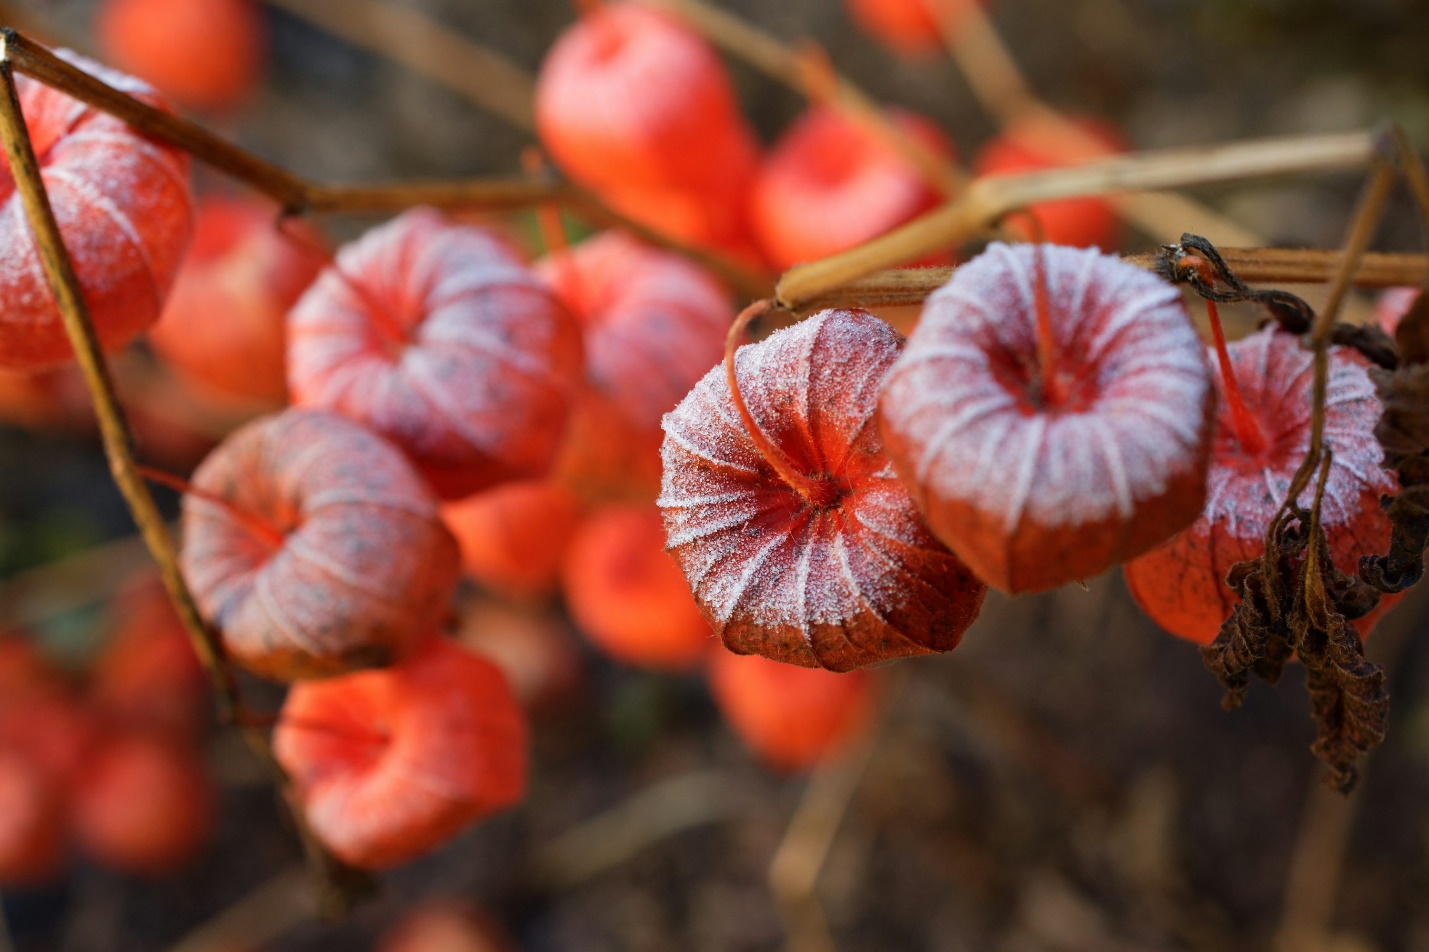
x: 114, y: 429
x: 1273, y: 266
x: 989, y: 199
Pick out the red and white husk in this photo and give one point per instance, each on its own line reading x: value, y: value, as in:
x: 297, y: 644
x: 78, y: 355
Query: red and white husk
x: 391, y: 764
x: 358, y: 564
x: 438, y: 337
x: 1031, y: 493
x: 124, y: 210
x: 1181, y: 584
x: 653, y: 323
x: 855, y: 580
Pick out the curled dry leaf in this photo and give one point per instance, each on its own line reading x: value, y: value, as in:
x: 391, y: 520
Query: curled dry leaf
x: 314, y: 547
x: 437, y: 337
x: 124, y: 209
x: 1052, y: 419
x: 1403, y: 432
x: 844, y: 576
x: 391, y: 764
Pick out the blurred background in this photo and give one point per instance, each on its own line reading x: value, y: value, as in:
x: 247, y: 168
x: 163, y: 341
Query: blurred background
x: 1065, y: 780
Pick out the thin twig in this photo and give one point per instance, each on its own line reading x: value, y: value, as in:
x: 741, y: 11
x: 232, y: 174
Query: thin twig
x: 114, y: 428
x: 32, y: 59
x: 1275, y: 266
x: 297, y: 195
x: 989, y: 199
x: 404, y: 35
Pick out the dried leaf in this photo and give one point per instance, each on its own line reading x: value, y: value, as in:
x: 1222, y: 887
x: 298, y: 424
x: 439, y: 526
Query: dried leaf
x: 1371, y: 341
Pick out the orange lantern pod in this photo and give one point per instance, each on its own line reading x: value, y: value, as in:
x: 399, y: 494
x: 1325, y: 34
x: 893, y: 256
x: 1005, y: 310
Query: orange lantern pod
x: 784, y: 512
x: 908, y: 27
x: 830, y: 184
x: 314, y: 547
x: 207, y: 54
x: 143, y: 804
x: 1040, y: 144
x: 653, y: 324
x: 437, y: 337
x: 791, y: 717
x: 224, y: 328
x: 1051, y: 414
x: 513, y: 537
x: 628, y: 596
x: 391, y: 764
x: 31, y: 823
x: 124, y: 210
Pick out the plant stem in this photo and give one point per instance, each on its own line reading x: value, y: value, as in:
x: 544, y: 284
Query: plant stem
x: 813, y: 492
x: 115, y: 432
x: 902, y: 286
x: 261, y: 530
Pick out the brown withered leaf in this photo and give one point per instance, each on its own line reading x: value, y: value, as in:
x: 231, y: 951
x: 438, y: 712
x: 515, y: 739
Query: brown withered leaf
x: 1347, y: 692
x: 1254, y: 639
x: 1412, y: 332
x: 1403, y: 434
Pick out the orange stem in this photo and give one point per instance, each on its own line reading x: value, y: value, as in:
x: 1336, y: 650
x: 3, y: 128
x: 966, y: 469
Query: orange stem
x: 1053, y: 392
x: 813, y: 492
x: 262, y: 530
x: 1247, y: 429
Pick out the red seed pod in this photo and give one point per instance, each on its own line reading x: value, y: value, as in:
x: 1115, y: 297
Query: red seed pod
x: 799, y: 542
x: 391, y: 764
x: 628, y: 596
x: 532, y: 646
x: 908, y: 27
x: 791, y: 717
x: 437, y: 337
x: 445, y: 927
x: 830, y: 184
x: 1036, y: 145
x: 143, y: 805
x: 653, y: 323
x: 1392, y: 305
x: 147, y: 675
x: 31, y: 823
x: 513, y: 537
x: 314, y: 547
x: 1181, y: 584
x: 224, y: 327
x: 41, y: 716
x: 628, y: 96
x: 124, y: 210
x: 207, y: 54
x: 1051, y: 414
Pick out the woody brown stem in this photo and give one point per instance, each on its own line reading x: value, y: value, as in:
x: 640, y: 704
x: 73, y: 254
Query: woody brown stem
x: 1276, y: 266
x: 813, y: 492
x: 113, y: 426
